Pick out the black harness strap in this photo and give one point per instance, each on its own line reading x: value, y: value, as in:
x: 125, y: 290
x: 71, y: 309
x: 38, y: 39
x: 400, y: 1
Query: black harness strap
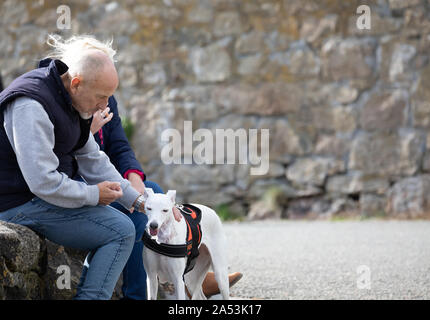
x: 170, y: 250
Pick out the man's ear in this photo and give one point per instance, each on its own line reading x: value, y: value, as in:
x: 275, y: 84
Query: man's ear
x: 74, y: 83
x: 172, y: 195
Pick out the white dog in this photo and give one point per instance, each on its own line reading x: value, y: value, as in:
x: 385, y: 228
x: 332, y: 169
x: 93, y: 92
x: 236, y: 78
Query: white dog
x: 167, y: 231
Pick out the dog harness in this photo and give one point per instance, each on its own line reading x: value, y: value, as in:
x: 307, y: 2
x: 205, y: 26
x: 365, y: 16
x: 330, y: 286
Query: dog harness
x: 190, y: 249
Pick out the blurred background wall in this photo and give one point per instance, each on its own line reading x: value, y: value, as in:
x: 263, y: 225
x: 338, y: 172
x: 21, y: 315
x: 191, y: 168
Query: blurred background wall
x: 348, y: 109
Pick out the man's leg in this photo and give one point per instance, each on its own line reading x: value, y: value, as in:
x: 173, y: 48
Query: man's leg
x: 106, y: 232
x: 133, y: 274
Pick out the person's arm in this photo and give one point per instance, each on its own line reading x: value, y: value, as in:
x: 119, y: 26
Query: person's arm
x: 31, y: 135
x: 117, y: 146
x: 94, y: 166
x: 118, y: 149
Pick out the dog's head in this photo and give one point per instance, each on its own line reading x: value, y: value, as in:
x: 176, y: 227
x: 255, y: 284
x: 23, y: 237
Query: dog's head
x: 158, y: 208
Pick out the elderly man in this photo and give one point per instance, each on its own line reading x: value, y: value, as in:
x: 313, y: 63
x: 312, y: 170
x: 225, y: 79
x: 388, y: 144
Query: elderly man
x: 45, y: 140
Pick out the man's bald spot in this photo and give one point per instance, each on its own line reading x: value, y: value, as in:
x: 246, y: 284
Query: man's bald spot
x: 97, y: 66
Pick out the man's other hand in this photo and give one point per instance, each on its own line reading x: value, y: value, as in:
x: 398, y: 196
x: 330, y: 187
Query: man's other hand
x: 109, y: 192
x: 100, y: 118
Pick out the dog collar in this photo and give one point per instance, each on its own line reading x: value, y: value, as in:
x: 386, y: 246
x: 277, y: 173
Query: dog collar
x: 170, y: 250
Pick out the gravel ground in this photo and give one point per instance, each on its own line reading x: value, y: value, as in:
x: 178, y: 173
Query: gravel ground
x: 372, y: 259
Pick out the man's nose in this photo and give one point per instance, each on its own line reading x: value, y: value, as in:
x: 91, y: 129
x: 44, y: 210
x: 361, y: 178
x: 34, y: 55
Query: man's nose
x: 103, y: 106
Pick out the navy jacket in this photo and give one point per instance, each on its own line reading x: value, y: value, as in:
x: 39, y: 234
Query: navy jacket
x: 71, y: 131
x: 113, y: 141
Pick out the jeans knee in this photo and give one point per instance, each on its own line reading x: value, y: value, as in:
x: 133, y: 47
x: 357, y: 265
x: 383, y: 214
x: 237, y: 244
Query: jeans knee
x: 140, y: 224
x: 128, y: 231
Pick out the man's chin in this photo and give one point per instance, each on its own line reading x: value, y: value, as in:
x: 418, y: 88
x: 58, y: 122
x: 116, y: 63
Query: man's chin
x: 85, y: 115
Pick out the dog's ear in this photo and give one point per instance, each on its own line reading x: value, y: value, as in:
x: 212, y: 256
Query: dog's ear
x: 149, y: 192
x: 172, y: 195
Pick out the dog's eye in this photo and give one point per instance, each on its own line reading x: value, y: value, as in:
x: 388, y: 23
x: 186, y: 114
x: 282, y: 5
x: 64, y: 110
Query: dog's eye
x: 165, y: 210
x: 148, y: 208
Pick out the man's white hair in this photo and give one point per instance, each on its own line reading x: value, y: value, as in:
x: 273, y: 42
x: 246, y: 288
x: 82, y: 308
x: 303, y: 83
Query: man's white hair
x: 74, y: 52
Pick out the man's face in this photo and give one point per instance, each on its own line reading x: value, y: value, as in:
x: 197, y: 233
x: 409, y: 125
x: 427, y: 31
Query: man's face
x: 91, y: 95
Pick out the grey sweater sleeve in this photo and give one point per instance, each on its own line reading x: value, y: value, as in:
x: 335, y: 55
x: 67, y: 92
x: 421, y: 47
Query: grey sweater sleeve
x: 31, y: 135
x: 94, y: 166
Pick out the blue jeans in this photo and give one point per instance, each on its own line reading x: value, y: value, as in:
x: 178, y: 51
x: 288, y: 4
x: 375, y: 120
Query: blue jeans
x: 134, y: 274
x: 108, y: 234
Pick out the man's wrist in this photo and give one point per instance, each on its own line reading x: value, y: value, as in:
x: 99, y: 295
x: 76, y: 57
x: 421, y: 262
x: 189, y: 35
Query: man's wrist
x: 133, y: 174
x: 139, y: 204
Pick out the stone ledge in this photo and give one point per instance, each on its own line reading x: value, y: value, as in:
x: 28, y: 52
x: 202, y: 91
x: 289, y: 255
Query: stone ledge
x: 29, y: 265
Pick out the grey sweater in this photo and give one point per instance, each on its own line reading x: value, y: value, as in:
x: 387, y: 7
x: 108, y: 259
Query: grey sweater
x: 31, y: 135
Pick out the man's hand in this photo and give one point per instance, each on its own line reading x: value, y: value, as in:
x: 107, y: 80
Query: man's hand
x: 109, y: 192
x: 100, y: 118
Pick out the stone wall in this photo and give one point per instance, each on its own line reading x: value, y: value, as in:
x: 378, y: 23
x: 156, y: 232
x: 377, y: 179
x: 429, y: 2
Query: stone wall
x: 348, y: 109
x: 33, y: 268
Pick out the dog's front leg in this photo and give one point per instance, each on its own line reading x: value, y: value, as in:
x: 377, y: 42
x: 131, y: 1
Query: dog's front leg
x: 153, y: 286
x: 180, y: 288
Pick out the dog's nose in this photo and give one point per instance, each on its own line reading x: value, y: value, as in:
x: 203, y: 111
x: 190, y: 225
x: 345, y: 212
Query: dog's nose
x: 153, y: 225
